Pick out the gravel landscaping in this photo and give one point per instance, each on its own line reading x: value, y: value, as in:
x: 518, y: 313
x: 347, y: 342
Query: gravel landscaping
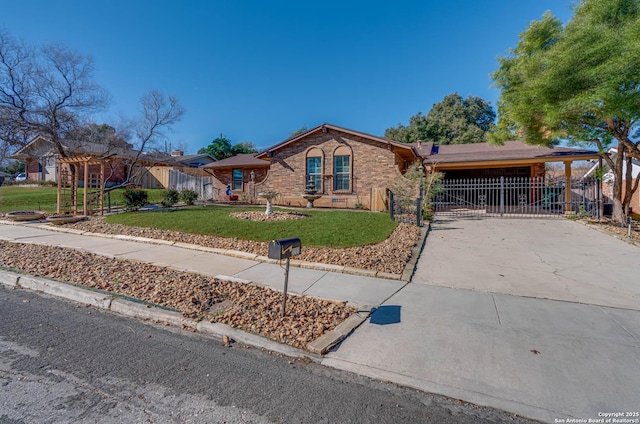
x: 248, y: 307
x: 616, y: 229
x: 251, y: 308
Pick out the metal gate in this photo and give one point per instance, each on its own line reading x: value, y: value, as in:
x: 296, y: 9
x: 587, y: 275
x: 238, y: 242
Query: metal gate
x: 407, y: 210
x: 516, y: 197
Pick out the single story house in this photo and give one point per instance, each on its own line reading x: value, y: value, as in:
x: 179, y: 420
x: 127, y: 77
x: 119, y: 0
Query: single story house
x: 43, y: 161
x: 351, y: 169
x: 193, y: 161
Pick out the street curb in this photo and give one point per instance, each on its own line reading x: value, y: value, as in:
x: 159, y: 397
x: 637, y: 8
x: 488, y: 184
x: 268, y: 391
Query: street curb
x: 328, y: 340
x: 145, y: 311
x: 410, y: 267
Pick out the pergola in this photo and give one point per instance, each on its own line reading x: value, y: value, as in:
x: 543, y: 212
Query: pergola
x: 93, y: 193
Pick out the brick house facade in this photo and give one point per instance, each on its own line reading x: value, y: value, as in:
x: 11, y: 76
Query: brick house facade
x: 346, y: 166
x: 241, y: 173
x: 353, y: 169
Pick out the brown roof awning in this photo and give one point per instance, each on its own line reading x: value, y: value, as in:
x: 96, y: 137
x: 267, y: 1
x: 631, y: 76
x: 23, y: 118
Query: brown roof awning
x: 511, y: 153
x: 244, y: 160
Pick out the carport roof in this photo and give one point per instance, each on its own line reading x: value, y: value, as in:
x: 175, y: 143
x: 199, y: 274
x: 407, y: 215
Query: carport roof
x: 238, y: 161
x: 512, y: 152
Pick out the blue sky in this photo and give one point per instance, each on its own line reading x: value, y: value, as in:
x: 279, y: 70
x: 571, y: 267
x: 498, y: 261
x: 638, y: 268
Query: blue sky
x: 259, y: 70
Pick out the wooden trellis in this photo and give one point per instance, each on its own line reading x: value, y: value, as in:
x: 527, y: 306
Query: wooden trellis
x: 93, y: 193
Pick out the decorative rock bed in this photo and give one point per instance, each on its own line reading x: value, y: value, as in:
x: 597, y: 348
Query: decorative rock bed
x: 274, y: 216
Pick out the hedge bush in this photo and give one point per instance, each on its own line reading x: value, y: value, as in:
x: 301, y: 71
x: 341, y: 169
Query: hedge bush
x: 189, y: 196
x: 169, y: 198
x: 135, y: 198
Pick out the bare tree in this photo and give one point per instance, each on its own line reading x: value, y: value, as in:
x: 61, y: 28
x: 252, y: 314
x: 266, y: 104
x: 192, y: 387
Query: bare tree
x: 46, y: 91
x: 158, y: 112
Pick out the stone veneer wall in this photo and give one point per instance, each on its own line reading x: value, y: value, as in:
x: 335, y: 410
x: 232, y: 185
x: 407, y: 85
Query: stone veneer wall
x: 373, y: 165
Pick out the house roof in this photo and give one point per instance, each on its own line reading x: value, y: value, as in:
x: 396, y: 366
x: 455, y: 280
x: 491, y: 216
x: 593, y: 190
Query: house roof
x: 191, y: 158
x: 409, y: 148
x: 243, y: 160
x: 84, y: 148
x: 511, y: 151
x: 613, y: 153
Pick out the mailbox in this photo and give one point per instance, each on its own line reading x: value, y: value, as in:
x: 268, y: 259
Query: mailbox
x: 284, y: 248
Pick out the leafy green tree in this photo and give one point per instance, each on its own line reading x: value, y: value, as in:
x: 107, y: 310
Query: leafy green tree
x: 301, y: 130
x: 15, y: 167
x: 580, y: 83
x: 452, y: 121
x: 243, y: 147
x: 221, y: 148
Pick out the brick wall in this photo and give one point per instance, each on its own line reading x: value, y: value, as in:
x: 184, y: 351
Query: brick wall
x: 373, y: 165
x: 223, y: 177
x: 607, y: 192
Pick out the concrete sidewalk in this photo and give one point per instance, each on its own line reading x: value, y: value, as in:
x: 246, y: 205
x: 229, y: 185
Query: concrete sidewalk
x: 356, y: 289
x: 490, y: 343
x: 486, y: 343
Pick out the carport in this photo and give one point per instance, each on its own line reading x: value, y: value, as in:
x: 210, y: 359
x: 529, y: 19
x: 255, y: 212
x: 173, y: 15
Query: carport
x: 509, y: 180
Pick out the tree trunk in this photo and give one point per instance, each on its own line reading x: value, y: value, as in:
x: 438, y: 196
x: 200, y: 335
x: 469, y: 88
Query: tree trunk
x: 619, y: 214
x: 619, y: 211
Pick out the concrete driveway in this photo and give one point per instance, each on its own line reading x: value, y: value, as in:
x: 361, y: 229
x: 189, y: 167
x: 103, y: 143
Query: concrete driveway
x: 543, y: 258
x: 537, y: 317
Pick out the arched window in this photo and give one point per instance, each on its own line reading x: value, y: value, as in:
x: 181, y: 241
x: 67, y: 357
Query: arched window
x: 314, y: 168
x: 342, y: 164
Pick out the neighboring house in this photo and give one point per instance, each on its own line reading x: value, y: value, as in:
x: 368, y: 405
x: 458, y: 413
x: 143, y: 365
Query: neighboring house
x: 193, y: 161
x: 43, y: 161
x: 41, y: 157
x: 242, y: 173
x: 608, y: 178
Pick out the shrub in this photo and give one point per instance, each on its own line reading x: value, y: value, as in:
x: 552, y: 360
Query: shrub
x: 135, y: 198
x: 169, y: 198
x: 188, y: 196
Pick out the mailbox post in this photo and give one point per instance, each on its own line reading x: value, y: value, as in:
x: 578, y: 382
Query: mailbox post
x: 284, y: 249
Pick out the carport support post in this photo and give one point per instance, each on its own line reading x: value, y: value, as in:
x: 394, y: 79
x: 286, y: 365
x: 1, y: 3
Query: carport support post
x: 501, y: 196
x: 567, y: 187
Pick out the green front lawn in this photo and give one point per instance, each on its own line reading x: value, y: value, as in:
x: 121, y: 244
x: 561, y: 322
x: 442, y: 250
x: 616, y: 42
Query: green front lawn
x: 321, y: 228
x: 15, y: 198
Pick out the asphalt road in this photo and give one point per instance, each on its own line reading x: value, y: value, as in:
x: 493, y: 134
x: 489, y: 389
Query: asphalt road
x: 63, y: 362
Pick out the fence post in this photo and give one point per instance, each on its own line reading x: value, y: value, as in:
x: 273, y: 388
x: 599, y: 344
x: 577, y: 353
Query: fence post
x: 501, y: 196
x: 391, y: 205
x: 418, y: 204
